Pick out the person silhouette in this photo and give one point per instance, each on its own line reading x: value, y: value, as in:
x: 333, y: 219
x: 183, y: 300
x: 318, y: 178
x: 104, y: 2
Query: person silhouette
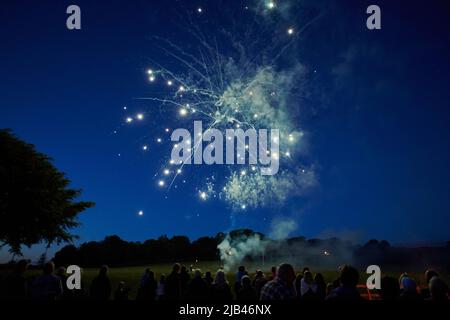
x: 15, y: 285
x: 173, y: 284
x: 47, y: 286
x: 160, y: 289
x: 347, y: 290
x: 246, y: 292
x: 197, y: 289
x: 282, y: 287
x: 101, y: 285
x: 220, y: 289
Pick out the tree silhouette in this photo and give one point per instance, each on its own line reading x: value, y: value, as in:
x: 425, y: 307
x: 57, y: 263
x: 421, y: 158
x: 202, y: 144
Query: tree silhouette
x: 36, y: 204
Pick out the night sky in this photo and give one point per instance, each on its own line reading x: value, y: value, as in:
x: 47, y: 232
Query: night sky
x: 373, y: 106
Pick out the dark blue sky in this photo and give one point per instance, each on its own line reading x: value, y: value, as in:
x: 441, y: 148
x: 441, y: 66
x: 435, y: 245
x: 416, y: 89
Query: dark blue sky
x: 376, y: 114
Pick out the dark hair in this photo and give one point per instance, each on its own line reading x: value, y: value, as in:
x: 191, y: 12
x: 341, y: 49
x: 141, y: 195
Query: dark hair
x: 103, y: 270
x: 22, y: 266
x: 176, y: 267
x: 49, y: 267
x: 430, y: 274
x: 285, y: 271
x: 438, y: 289
x: 349, y: 277
x: 241, y: 268
x: 246, y: 281
x: 318, y: 278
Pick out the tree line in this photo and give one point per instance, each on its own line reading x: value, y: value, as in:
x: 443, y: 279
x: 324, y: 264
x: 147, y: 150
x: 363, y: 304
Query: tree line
x: 115, y: 251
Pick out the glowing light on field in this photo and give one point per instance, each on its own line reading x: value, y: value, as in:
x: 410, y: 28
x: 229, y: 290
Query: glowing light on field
x: 203, y: 195
x: 140, y: 213
x: 140, y: 116
x: 161, y: 183
x: 290, y: 31
x: 169, y: 82
x: 144, y: 148
x: 166, y: 172
x: 129, y: 120
x: 183, y: 112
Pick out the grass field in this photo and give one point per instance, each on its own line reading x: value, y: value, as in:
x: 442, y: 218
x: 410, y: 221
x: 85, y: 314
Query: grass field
x: 131, y: 275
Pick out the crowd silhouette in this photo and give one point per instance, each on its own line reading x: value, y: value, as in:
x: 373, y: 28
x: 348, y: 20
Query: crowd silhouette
x: 192, y: 285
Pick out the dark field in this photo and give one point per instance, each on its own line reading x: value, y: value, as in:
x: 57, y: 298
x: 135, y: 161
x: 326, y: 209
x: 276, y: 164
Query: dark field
x: 131, y: 275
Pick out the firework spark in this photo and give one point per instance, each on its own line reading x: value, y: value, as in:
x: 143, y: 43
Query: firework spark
x: 236, y: 86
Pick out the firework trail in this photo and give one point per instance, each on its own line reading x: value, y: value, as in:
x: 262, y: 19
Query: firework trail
x: 233, y: 79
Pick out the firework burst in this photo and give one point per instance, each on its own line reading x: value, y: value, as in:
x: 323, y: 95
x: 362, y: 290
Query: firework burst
x: 231, y: 82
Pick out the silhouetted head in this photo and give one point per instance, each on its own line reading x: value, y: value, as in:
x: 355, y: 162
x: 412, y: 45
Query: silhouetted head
x: 438, y: 289
x: 259, y: 274
x: 198, y: 274
x: 147, y: 270
x: 103, y: 270
x: 176, y: 268
x: 162, y: 278
x: 349, y: 277
x: 220, y: 278
x: 390, y: 289
x: 151, y: 275
x: 61, y: 271
x: 49, y: 268
x: 274, y: 270
x: 246, y: 282
x: 22, y: 266
x: 305, y: 269
x: 318, y: 278
x: 308, y: 278
x: 208, y: 275
x: 183, y: 269
x: 121, y: 285
x: 241, y: 269
x: 286, y: 273
x: 430, y: 274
